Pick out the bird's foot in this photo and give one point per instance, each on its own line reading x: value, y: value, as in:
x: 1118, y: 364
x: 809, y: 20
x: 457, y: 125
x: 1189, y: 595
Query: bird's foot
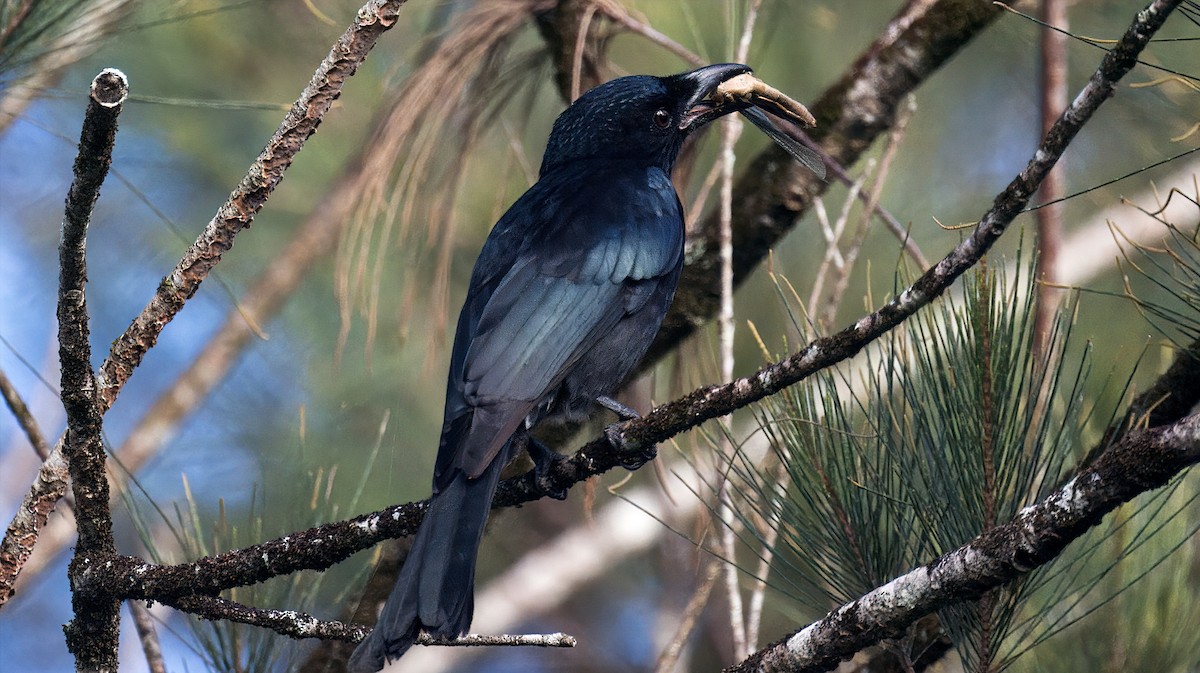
x: 623, y: 412
x: 627, y: 457
x: 544, y: 459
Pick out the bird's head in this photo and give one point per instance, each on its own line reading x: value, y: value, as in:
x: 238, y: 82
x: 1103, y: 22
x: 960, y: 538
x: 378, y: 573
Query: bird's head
x: 641, y: 118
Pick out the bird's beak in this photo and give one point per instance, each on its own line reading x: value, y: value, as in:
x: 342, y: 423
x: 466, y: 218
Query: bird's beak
x: 730, y: 87
x: 705, y: 104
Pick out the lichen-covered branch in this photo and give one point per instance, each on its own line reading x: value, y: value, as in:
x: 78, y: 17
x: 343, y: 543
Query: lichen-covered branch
x: 48, y: 486
x: 1142, y: 461
x: 92, y: 634
x: 300, y: 625
x: 284, y: 622
x: 25, y: 528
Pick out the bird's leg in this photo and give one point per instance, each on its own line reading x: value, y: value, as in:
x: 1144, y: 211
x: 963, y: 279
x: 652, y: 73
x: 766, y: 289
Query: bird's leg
x: 616, y: 439
x: 544, y: 458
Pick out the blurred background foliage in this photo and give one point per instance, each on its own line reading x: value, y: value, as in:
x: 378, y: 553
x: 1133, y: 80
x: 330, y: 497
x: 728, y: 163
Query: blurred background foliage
x: 335, y: 410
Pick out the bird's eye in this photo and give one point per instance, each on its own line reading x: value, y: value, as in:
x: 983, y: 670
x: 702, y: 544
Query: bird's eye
x: 662, y: 118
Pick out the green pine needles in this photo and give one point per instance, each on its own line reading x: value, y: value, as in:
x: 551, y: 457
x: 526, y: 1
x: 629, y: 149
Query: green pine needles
x: 948, y: 427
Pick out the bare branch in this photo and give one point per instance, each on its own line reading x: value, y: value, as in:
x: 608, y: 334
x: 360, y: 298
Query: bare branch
x: 619, y: 14
x: 265, y: 174
x: 24, y: 418
x: 92, y: 634
x: 148, y: 635
x: 275, y: 283
x: 502, y: 640
x: 1049, y: 219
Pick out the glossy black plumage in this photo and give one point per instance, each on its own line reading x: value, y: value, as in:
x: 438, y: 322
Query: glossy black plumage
x: 566, y: 296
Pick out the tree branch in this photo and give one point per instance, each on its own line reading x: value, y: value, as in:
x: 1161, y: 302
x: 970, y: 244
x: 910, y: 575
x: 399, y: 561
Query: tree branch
x: 1142, y: 461
x: 300, y: 625
x: 92, y: 634
x: 265, y: 174
x: 774, y: 190
x: 284, y: 622
x: 25, y: 528
x: 25, y: 419
x: 49, y: 485
x: 320, y: 547
x: 143, y: 623
x: 314, y: 238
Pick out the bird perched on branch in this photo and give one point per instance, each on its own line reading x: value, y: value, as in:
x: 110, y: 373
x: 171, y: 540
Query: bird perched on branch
x: 566, y: 296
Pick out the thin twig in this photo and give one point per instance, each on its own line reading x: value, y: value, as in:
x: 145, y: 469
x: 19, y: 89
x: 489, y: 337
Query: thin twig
x: 833, y: 263
x: 687, y: 623
x: 618, y: 14
x: 25, y: 419
x: 92, y: 634
x: 1048, y: 220
x: 289, y: 623
x: 502, y: 640
x: 731, y: 130
x: 872, y: 196
x: 143, y: 622
x: 874, y: 208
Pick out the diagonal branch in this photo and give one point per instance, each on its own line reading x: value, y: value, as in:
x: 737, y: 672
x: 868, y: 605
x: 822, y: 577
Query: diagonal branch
x: 24, y: 417
x: 774, y: 190
x: 48, y: 486
x: 1142, y: 461
x: 236, y: 214
x: 30, y: 519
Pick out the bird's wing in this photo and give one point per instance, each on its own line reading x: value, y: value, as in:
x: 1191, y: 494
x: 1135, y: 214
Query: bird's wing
x: 568, y: 288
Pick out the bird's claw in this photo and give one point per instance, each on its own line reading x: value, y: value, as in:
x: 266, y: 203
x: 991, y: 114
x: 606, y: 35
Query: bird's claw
x: 544, y: 459
x: 630, y: 460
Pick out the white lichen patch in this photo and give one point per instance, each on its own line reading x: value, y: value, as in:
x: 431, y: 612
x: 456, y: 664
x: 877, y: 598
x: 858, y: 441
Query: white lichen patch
x: 909, y: 297
x: 810, y: 356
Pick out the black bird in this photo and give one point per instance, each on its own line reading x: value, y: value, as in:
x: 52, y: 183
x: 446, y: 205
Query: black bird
x: 566, y: 296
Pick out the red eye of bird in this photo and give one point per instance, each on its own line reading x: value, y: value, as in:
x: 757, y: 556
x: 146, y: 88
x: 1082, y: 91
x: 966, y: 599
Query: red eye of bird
x: 662, y: 118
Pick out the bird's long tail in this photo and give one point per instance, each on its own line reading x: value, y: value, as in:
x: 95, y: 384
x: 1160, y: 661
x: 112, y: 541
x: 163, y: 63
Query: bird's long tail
x: 435, y: 590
